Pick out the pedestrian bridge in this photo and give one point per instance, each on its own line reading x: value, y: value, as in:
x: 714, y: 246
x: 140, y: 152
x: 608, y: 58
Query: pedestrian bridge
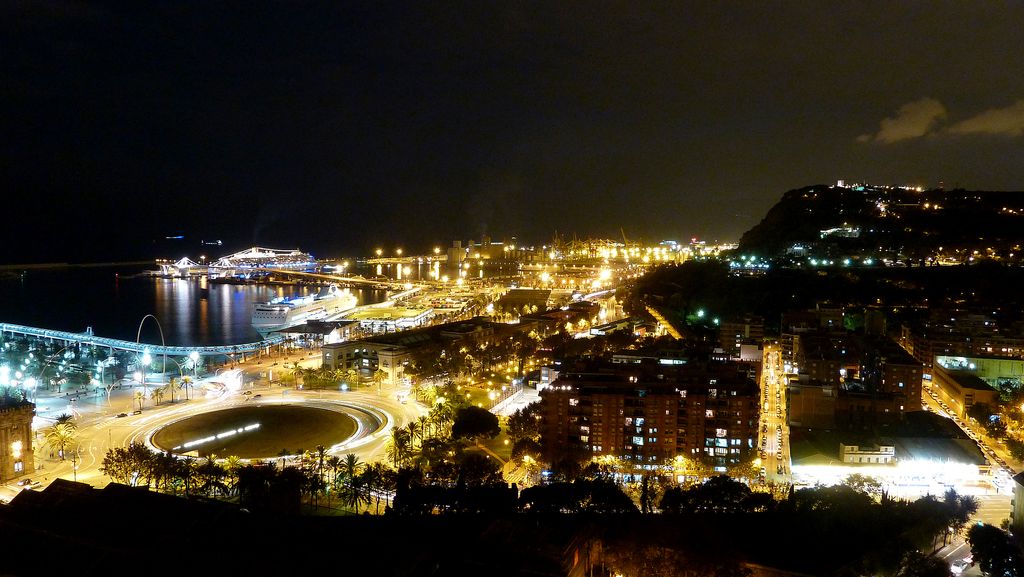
x: 88, y: 338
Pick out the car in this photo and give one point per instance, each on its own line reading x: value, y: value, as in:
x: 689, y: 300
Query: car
x: 119, y: 415
x: 137, y: 412
x: 246, y: 392
x: 257, y: 396
x: 24, y: 482
x: 960, y: 565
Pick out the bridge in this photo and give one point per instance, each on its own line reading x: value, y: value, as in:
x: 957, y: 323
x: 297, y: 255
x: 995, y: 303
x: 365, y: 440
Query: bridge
x: 183, y: 267
x: 88, y: 338
x: 343, y: 280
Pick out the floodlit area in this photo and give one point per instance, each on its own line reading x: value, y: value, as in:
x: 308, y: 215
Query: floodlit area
x: 906, y: 478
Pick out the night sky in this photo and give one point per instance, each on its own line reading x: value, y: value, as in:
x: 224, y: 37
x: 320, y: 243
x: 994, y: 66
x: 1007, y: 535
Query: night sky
x: 343, y: 126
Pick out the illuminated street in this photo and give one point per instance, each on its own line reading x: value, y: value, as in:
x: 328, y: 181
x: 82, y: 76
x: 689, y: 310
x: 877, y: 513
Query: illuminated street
x: 99, y: 427
x: 774, y: 434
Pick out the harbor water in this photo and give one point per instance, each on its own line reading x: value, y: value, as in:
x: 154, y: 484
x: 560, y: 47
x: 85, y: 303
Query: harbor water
x: 113, y: 299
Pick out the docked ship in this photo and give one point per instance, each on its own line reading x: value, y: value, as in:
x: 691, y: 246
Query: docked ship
x: 285, y: 312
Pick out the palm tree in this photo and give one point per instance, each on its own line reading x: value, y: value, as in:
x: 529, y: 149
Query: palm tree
x: 163, y: 471
x: 185, y: 471
x: 61, y: 434
x: 413, y: 430
x: 284, y: 454
x: 211, y: 475
x: 352, y: 377
x: 335, y: 464
x: 371, y: 482
x: 319, y: 455
x: 379, y: 376
x: 231, y: 467
x: 139, y: 398
x: 350, y: 469
x: 423, y: 421
x: 398, y: 446
x: 158, y: 395
x: 186, y: 384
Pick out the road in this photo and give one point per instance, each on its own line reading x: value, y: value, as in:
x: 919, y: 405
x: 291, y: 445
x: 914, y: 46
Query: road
x: 1003, y: 466
x: 773, y: 438
x: 100, y: 428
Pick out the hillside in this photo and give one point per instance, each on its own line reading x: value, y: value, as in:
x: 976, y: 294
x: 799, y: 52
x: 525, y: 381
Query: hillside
x: 897, y: 224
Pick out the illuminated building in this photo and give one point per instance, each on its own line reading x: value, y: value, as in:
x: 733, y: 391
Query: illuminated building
x: 959, y: 333
x: 647, y: 414
x: 961, y: 389
x: 733, y: 333
x: 16, y: 454
x: 851, y: 382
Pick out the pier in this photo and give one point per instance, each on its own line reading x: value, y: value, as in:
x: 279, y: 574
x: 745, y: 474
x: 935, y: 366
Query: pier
x: 88, y: 338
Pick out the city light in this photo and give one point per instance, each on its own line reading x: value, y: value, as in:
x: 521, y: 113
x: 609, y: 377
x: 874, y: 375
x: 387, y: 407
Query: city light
x: 225, y: 434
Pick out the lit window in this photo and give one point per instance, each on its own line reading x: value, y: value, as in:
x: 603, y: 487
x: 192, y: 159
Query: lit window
x: 720, y: 433
x: 709, y: 414
x: 574, y: 402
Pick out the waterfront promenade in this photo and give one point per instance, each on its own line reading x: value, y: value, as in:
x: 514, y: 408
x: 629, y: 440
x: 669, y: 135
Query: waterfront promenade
x: 88, y: 338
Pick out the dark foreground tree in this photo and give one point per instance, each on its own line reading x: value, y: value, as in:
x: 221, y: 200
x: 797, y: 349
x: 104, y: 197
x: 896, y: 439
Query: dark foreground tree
x: 995, y: 552
x: 917, y: 564
x: 475, y: 423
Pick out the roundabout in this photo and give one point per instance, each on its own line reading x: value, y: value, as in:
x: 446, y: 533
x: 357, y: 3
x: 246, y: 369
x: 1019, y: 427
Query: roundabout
x: 267, y: 430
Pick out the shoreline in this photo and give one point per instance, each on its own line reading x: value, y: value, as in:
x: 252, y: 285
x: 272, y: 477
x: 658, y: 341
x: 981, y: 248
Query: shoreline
x: 53, y: 265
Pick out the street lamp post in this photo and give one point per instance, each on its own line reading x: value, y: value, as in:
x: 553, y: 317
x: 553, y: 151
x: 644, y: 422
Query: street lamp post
x: 146, y: 360
x: 49, y: 359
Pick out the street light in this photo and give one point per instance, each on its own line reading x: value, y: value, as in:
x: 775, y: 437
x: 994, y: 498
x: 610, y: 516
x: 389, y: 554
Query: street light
x: 146, y: 360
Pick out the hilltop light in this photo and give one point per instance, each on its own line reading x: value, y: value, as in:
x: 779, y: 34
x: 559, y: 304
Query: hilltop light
x: 700, y: 313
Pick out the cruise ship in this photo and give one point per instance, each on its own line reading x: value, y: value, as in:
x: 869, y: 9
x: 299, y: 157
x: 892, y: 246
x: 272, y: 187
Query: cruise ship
x: 283, y: 312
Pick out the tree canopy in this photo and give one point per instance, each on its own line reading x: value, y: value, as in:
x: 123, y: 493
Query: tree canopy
x: 475, y: 423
